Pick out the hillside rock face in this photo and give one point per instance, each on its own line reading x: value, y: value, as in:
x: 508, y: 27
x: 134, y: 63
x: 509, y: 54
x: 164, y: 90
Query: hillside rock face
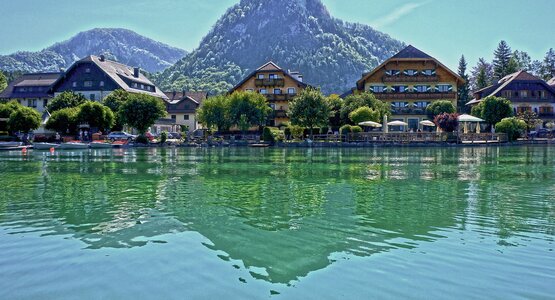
x: 299, y: 35
x: 122, y: 45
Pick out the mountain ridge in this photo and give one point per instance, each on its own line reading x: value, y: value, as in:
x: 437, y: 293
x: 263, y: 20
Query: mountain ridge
x: 123, y: 45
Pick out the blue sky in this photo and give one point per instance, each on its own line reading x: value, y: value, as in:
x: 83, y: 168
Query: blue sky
x: 442, y: 28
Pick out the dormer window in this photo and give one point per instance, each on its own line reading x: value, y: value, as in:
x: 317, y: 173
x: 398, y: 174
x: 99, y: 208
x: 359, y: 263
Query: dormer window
x: 410, y: 72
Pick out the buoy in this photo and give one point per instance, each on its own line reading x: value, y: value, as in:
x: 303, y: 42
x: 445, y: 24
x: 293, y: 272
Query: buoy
x: 52, y: 149
x: 24, y: 150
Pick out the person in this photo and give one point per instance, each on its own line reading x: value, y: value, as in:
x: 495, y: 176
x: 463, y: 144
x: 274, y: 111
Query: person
x: 58, y: 137
x: 80, y: 134
x: 86, y: 135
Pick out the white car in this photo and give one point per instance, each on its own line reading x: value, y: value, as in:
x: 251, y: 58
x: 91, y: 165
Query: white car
x: 120, y: 135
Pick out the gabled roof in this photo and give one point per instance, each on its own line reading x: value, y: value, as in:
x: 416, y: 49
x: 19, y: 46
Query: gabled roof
x: 521, y: 75
x: 45, y: 80
x: 552, y: 82
x: 176, y: 97
x: 269, y: 66
x: 119, y: 72
x: 409, y: 53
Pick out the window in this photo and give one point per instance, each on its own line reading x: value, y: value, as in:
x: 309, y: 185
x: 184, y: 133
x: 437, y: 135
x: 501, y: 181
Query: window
x: 398, y: 104
x: 30, y: 89
x: 102, y: 83
x: 410, y: 72
x: 421, y: 88
x: 148, y: 87
x: 277, y: 91
x: 506, y: 94
x: 291, y: 91
x: 400, y: 88
x: 87, y: 70
x: 174, y: 117
x: 74, y: 84
x: 249, y: 90
x: 135, y: 85
x: 392, y: 72
x: 263, y: 91
x: 422, y: 104
x: 32, y: 103
x: 44, y: 102
x: 91, y: 97
x: 142, y: 86
x: 429, y: 72
x: 444, y: 88
x: 377, y: 89
x: 260, y: 76
x: 186, y: 117
x: 542, y: 94
x: 523, y: 94
x: 273, y: 76
x: 87, y: 83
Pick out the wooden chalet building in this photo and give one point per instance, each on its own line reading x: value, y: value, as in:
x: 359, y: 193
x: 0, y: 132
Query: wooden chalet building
x: 32, y: 90
x: 182, y: 107
x: 277, y: 85
x: 409, y: 81
x: 95, y: 77
x: 526, y: 93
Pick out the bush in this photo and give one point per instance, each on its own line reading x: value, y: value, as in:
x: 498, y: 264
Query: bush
x: 267, y: 135
x: 363, y: 114
x: 163, y: 137
x: 513, y: 127
x: 324, y: 130
x: 447, y: 122
x: 440, y: 107
x: 287, y: 131
x: 345, y: 129
x: 141, y: 139
x: 297, y: 131
x: 356, y: 129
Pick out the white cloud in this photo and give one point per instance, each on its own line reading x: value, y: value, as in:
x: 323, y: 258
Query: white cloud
x: 397, y: 14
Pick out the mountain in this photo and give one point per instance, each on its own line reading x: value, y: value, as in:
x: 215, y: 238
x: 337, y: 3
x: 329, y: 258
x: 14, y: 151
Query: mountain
x: 299, y: 35
x: 122, y: 45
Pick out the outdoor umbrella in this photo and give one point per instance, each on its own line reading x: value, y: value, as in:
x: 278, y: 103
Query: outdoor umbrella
x: 427, y: 123
x: 397, y: 123
x: 469, y: 118
x: 370, y: 124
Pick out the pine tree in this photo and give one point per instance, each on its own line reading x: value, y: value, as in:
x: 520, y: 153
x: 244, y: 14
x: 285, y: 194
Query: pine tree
x: 547, y: 69
x: 482, y: 75
x: 481, y: 79
x: 502, y: 56
x: 523, y: 60
x: 463, y: 90
x: 513, y: 66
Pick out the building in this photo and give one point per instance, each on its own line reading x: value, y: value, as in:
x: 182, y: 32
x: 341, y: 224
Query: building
x: 95, y: 77
x: 552, y: 82
x: 526, y: 93
x: 277, y: 85
x: 32, y: 90
x: 182, y: 107
x: 409, y: 81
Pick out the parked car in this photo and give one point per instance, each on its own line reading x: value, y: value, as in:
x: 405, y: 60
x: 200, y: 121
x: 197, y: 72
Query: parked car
x: 174, y: 135
x: 120, y: 135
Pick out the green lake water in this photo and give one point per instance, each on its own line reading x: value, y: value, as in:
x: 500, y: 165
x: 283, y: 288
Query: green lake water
x: 404, y: 223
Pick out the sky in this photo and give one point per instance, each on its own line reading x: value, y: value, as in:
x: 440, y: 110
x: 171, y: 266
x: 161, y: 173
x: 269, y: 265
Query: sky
x: 445, y: 29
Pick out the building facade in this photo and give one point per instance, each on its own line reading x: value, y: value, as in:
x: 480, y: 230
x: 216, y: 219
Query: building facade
x: 409, y: 81
x: 526, y: 93
x: 277, y: 85
x: 31, y: 90
x: 182, y: 107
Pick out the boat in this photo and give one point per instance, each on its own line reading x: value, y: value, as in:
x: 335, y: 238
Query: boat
x: 74, y: 145
x: 259, y: 145
x: 100, y: 145
x: 45, y: 146
x: 10, y: 144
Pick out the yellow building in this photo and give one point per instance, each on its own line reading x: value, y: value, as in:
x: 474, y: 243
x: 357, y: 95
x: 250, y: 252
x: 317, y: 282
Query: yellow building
x: 277, y: 85
x: 409, y: 81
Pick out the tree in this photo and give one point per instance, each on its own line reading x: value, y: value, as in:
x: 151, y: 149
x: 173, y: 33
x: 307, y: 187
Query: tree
x: 363, y: 114
x: 530, y: 118
x: 3, y: 82
x: 523, y: 60
x: 114, y: 101
x: 494, y: 109
x: 24, y: 119
x: 141, y: 111
x: 65, y: 100
x: 353, y: 102
x: 253, y: 105
x: 482, y: 75
x: 6, y: 109
x: 502, y: 56
x: 512, y: 66
x: 309, y: 109
x: 214, y: 113
x: 63, y: 120
x: 463, y: 92
x: 547, y: 69
x: 335, y: 104
x: 447, y: 122
x: 513, y: 127
x: 96, y: 115
x: 440, y: 107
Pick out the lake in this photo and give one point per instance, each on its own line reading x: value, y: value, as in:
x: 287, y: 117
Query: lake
x: 242, y: 223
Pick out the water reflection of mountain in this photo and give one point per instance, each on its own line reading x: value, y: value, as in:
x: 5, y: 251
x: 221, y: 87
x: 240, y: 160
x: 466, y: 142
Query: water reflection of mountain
x: 281, y: 212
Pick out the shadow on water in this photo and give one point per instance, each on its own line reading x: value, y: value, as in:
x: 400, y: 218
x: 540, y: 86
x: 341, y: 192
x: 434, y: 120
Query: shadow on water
x: 282, y: 213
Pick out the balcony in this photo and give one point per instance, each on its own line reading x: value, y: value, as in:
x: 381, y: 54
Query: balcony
x: 415, y: 96
x: 531, y: 100
x: 408, y: 111
x: 269, y: 82
x: 404, y: 78
x: 546, y: 114
x: 280, y: 97
x: 280, y: 113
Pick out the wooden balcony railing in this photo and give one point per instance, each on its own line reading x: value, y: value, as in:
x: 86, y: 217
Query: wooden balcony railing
x: 280, y: 113
x: 269, y: 82
x: 414, y: 96
x: 404, y: 78
x: 408, y: 111
x: 280, y: 97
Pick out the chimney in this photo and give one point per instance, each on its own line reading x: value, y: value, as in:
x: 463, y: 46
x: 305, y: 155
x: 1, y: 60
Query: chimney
x: 102, y: 57
x: 174, y: 92
x: 62, y: 70
x: 136, y: 72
